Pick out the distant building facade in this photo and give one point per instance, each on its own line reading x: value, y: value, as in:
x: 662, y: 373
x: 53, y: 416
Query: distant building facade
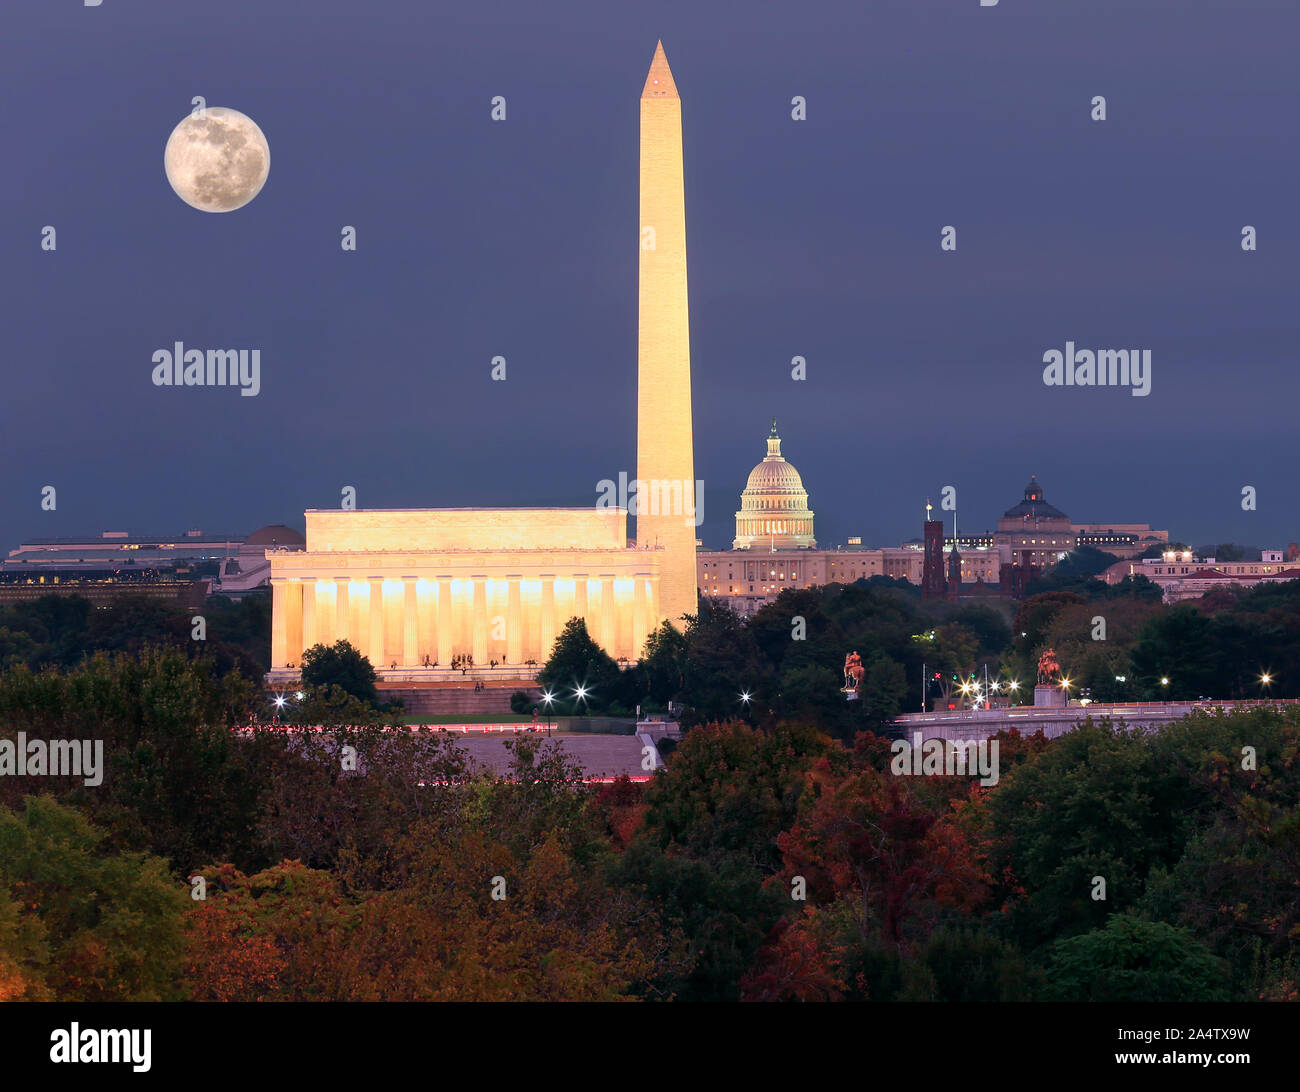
x: 775, y: 546
x: 1182, y: 576
x: 228, y: 564
x: 249, y: 568
x: 117, y: 549
x: 106, y: 590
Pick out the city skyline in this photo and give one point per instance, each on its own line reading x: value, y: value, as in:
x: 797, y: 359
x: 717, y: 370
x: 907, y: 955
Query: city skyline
x: 909, y: 613
x: 816, y: 238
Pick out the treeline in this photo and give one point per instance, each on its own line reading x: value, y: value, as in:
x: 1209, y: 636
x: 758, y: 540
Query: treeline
x: 1115, y: 643
x: 1230, y: 643
x: 63, y: 630
x: 786, y: 660
x: 763, y: 863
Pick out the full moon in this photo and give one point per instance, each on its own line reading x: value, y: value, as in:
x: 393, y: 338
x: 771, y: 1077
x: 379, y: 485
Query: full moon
x: 218, y: 162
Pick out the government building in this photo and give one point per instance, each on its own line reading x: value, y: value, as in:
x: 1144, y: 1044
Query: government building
x: 414, y: 589
x: 775, y: 546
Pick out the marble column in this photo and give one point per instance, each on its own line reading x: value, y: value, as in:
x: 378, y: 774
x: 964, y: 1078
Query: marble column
x: 480, y: 649
x: 341, y: 608
x: 428, y: 618
x: 410, y: 623
x: 608, y: 620
x: 446, y: 636
x: 580, y: 599
x: 514, y: 622
x: 640, y: 621
x: 375, y: 641
x: 548, y: 617
x: 279, y: 625
x: 308, y: 614
x: 293, y: 621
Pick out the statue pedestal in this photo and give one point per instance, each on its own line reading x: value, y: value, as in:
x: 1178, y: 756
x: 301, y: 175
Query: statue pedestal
x: 1049, y: 697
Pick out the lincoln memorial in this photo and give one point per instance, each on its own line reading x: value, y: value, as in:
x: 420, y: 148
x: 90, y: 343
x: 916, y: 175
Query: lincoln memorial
x: 415, y: 587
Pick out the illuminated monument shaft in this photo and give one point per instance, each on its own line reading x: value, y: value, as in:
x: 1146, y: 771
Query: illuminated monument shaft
x: 664, y: 442
x: 414, y: 589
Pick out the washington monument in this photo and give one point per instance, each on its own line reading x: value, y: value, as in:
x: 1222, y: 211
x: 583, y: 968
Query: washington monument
x: 664, y: 439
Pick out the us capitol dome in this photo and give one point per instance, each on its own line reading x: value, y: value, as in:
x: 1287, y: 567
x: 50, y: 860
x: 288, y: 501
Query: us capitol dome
x: 774, y: 513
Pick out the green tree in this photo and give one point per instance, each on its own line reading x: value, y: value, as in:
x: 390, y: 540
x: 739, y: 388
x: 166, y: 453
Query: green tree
x: 343, y: 666
x: 723, y: 661
x: 884, y: 692
x: 1135, y: 960
x: 578, y: 661
x: 664, y: 663
x: 1096, y: 802
x: 1159, y: 549
x: 1230, y: 551
x: 177, y: 779
x: 954, y: 650
x: 970, y: 964
x: 1215, y: 655
x: 79, y: 922
x: 1075, y: 572
x: 811, y: 693
x: 1036, y: 614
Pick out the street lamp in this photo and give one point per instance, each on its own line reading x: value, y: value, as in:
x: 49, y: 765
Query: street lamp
x: 580, y: 692
x: 548, y: 698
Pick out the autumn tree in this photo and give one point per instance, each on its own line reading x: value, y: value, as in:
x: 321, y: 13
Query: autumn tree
x: 865, y: 840
x: 80, y: 921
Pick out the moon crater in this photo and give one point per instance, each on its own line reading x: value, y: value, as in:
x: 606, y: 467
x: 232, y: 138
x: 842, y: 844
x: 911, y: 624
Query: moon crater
x: 218, y: 162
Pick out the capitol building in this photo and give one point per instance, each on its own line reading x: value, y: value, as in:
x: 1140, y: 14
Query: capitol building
x: 774, y: 510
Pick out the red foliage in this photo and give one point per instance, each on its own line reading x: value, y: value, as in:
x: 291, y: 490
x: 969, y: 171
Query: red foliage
x: 793, y: 965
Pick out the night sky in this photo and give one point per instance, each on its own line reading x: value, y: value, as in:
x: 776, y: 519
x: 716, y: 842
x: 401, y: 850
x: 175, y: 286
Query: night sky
x: 817, y: 238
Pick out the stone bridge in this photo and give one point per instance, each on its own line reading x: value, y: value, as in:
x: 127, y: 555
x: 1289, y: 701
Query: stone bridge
x: 976, y: 724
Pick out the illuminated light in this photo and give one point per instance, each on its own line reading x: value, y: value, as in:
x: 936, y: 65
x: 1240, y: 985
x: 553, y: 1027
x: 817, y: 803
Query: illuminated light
x: 300, y: 695
x: 1266, y: 678
x: 279, y: 701
x: 580, y: 693
x: 1164, y: 680
x: 746, y: 696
